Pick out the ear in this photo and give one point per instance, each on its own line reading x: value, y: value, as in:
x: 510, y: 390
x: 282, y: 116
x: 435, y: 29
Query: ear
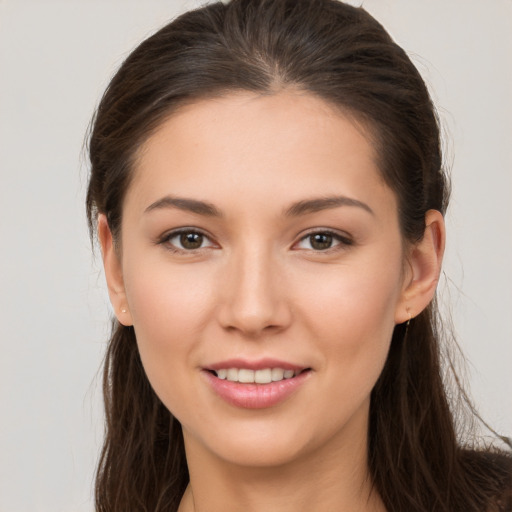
x: 113, y: 272
x: 424, y: 267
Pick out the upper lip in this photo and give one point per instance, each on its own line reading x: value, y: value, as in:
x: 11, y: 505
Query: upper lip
x: 259, y: 364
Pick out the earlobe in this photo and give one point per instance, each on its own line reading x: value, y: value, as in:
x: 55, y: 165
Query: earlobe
x: 113, y: 272
x: 425, y: 259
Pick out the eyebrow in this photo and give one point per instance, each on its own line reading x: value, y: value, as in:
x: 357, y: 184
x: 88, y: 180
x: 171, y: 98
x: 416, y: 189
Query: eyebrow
x: 324, y: 203
x: 299, y: 208
x: 189, y: 205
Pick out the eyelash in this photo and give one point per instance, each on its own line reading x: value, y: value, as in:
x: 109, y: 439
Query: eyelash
x: 166, y: 240
x: 343, y: 241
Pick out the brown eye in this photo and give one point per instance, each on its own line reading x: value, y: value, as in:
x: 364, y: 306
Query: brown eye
x: 186, y: 240
x: 191, y: 240
x: 321, y: 241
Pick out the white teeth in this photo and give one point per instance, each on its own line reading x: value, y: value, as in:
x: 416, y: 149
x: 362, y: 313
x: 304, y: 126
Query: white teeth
x: 232, y: 374
x: 277, y: 374
x: 264, y: 376
x: 245, y: 375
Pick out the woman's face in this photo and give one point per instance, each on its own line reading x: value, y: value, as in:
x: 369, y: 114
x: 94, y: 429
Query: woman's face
x: 259, y: 241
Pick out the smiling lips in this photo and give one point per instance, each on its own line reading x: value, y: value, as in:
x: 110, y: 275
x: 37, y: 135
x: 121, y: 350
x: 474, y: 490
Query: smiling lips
x: 258, y: 387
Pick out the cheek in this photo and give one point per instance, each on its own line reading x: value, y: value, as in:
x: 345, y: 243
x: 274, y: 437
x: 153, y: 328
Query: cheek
x: 351, y: 314
x: 168, y: 307
x: 351, y: 296
x: 162, y: 295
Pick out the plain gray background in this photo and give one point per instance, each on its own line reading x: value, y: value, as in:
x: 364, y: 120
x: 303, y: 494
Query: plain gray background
x: 55, y: 59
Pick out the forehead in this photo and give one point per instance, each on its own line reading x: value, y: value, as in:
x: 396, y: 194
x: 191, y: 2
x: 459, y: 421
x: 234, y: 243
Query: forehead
x: 261, y: 149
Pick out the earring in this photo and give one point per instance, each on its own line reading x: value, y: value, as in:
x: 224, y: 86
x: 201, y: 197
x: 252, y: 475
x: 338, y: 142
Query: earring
x: 123, y: 310
x: 407, y: 323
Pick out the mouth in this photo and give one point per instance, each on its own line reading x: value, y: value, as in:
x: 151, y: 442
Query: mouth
x: 260, y: 376
x: 256, y: 385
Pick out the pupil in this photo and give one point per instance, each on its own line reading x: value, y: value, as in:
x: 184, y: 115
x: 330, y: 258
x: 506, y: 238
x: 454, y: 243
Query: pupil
x: 321, y: 241
x: 191, y: 240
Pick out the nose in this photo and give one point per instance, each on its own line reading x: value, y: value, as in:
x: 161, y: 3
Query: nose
x: 254, y: 299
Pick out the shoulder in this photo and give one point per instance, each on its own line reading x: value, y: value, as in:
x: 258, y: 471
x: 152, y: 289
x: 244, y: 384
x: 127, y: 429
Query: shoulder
x: 491, y: 471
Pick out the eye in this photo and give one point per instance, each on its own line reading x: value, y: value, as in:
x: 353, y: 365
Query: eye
x: 187, y: 240
x: 322, y: 241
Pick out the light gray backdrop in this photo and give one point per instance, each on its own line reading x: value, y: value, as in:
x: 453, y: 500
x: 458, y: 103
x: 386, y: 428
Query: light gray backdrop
x: 55, y: 60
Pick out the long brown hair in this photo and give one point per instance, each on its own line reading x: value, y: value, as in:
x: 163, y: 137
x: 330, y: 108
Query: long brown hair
x: 342, y: 55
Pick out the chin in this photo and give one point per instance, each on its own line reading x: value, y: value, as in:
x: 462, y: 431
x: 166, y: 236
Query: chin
x: 261, y: 453
x: 269, y: 442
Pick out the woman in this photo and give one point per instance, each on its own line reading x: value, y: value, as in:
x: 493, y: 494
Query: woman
x: 268, y: 193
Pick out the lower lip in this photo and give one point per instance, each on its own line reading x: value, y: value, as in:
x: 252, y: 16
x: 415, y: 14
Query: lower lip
x: 255, y: 396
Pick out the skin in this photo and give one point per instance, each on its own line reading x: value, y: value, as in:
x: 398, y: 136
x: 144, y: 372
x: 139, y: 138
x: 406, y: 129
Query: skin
x: 258, y: 287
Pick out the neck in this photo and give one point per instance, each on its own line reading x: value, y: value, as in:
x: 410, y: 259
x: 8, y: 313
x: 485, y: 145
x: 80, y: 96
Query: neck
x: 331, y: 479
